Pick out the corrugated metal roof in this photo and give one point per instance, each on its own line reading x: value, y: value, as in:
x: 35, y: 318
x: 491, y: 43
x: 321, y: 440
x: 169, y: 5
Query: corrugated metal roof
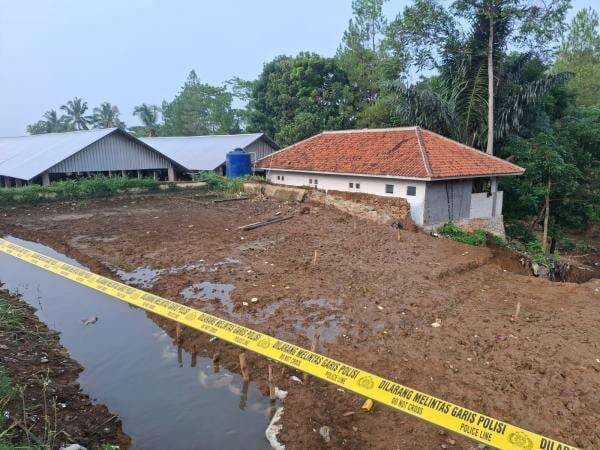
x: 201, y: 152
x: 25, y: 157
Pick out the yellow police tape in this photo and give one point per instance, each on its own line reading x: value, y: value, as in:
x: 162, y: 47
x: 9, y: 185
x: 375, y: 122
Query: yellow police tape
x: 461, y: 420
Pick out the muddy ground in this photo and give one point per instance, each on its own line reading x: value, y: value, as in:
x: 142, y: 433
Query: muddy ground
x: 371, y: 297
x: 48, y: 407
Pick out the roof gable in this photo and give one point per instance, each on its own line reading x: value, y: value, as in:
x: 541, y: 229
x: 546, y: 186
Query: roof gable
x: 203, y: 152
x: 25, y: 157
x: 402, y: 152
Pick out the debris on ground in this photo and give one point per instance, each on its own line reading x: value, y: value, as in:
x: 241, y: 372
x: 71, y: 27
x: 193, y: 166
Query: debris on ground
x: 325, y: 433
x: 273, y: 430
x: 90, y: 321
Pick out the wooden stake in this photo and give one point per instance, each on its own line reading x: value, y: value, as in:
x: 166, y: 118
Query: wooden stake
x: 517, y: 311
x: 315, y: 257
x: 313, y: 348
x: 178, y: 333
x: 271, y: 384
x: 194, y: 356
x: 244, y: 367
x: 398, y: 233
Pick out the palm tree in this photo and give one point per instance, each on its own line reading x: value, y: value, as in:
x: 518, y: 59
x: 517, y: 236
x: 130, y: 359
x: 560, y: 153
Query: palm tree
x: 54, y: 122
x: 455, y: 103
x: 75, y: 111
x: 148, y: 114
x: 107, y: 116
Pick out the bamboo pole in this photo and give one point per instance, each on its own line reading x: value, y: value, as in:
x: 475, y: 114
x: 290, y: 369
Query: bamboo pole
x: 313, y: 348
x: 244, y: 367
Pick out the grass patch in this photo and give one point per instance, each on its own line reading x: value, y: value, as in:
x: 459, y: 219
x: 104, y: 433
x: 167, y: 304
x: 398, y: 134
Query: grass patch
x: 455, y: 233
x: 93, y: 187
x: 11, y: 316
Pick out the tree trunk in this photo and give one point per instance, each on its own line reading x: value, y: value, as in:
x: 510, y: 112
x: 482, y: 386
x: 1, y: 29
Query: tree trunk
x: 490, y: 136
x: 546, y: 216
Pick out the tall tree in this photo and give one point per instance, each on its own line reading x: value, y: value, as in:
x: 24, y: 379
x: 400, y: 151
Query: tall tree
x: 75, y: 114
x: 296, y: 97
x: 550, y: 178
x: 51, y: 123
x: 199, y: 109
x: 370, y: 62
x: 432, y: 32
x: 519, y: 21
x: 107, y: 116
x: 580, y: 53
x: 148, y: 115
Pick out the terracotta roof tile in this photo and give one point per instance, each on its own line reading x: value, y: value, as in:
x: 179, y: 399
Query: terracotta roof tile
x: 403, y: 152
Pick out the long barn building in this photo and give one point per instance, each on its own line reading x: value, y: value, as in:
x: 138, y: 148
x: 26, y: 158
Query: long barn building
x: 44, y: 158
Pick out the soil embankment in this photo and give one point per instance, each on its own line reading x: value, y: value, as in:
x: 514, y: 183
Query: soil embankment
x: 47, y: 406
x: 371, y: 294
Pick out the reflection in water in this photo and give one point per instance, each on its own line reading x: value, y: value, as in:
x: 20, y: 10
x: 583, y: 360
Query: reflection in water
x: 165, y: 397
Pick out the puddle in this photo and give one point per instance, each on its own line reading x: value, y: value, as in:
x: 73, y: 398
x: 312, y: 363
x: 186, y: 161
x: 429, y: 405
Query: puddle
x: 321, y: 316
x: 211, y: 291
x: 146, y: 277
x: 165, y: 398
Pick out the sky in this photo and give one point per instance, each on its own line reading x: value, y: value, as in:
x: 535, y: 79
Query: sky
x: 140, y: 51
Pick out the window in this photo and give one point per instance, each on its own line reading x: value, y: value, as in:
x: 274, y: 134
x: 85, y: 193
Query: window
x: 281, y: 177
x: 411, y: 190
x: 357, y: 185
x: 389, y: 188
x: 278, y: 177
x: 316, y: 181
x: 351, y: 185
x: 310, y: 181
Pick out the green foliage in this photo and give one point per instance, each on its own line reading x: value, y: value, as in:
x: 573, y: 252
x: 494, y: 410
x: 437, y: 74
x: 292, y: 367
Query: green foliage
x: 517, y: 231
x: 219, y: 183
x: 455, y: 233
x: 200, y: 109
x: 100, y: 186
x: 580, y: 54
x: 148, y: 114
x: 75, y: 114
x: 296, y: 97
x: 107, y: 116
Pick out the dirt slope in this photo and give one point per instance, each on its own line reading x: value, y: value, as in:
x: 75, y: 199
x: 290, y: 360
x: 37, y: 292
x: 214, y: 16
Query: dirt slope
x: 372, y: 299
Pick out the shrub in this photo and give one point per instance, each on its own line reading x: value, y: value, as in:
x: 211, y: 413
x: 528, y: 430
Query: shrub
x: 99, y: 186
x: 455, y: 233
x: 219, y: 183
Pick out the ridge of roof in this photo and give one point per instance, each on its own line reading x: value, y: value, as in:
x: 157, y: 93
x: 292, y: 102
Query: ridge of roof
x: 424, y: 153
x: 368, y: 130
x: 204, y: 136
x: 40, y: 135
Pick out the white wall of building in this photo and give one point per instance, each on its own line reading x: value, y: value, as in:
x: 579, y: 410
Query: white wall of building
x: 367, y: 185
x: 481, y: 205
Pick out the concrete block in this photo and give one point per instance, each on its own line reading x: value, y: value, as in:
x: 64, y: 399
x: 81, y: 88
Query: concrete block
x: 285, y: 194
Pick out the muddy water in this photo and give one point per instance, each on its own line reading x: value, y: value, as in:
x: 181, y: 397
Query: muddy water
x: 132, y: 366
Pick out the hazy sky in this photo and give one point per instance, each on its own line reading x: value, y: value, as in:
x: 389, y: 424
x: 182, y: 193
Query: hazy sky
x: 129, y: 52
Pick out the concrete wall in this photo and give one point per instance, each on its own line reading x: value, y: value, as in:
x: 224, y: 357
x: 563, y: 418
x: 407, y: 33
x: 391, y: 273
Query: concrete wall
x: 368, y: 185
x: 481, y: 205
x: 113, y: 152
x: 446, y: 201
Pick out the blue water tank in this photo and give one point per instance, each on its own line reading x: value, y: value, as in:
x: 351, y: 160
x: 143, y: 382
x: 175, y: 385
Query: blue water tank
x: 238, y: 163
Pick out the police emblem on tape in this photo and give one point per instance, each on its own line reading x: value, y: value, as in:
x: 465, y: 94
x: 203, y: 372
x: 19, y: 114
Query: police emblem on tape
x: 365, y: 382
x: 520, y: 440
x: 264, y: 343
